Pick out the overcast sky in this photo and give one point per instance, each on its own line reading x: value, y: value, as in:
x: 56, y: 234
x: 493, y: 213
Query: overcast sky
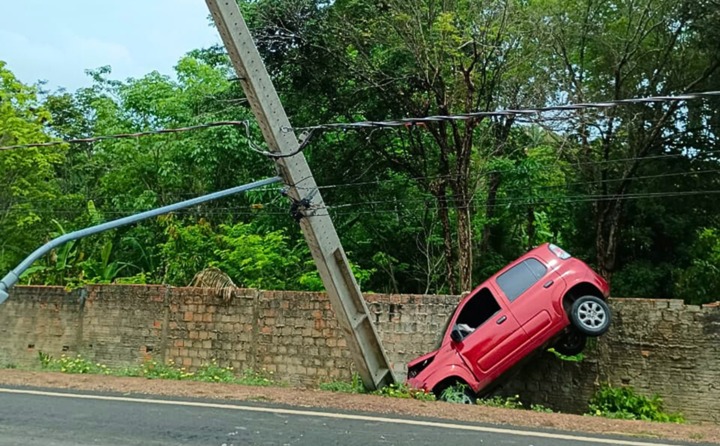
x: 57, y: 40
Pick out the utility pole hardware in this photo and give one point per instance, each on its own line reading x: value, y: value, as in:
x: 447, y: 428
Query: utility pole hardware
x: 342, y: 288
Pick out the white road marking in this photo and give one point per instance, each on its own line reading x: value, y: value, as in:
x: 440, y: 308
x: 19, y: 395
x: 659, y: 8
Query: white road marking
x: 339, y: 416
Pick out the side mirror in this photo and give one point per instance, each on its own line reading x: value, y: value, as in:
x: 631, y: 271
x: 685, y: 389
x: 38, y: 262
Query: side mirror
x: 456, y: 335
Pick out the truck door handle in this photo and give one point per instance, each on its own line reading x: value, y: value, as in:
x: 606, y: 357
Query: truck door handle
x: 501, y: 320
x: 548, y: 284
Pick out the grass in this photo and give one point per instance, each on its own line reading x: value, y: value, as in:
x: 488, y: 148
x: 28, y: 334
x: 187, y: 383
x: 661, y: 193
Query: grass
x: 540, y: 408
x: 453, y: 394
x: 354, y: 386
x: 72, y: 364
x: 392, y: 391
x: 404, y: 391
x: 610, y: 402
x: 574, y: 358
x: 153, y: 369
x: 512, y: 402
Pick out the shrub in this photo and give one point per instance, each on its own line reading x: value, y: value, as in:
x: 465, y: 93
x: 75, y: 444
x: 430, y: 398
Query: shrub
x: 625, y: 403
x: 455, y: 394
x: 574, y: 358
x: 251, y: 377
x: 354, y: 386
x: 540, y: 408
x: 214, y: 373
x: 152, y: 369
x: 68, y: 364
x: 512, y: 402
x: 404, y: 391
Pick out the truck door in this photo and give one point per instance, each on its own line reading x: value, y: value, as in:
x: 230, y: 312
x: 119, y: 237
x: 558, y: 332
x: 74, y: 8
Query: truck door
x: 530, y: 289
x: 493, y: 333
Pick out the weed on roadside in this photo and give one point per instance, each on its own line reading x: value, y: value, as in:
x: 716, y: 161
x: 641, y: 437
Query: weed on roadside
x: 214, y: 373
x: 354, y: 386
x: 512, y: 402
x: 541, y: 408
x: 69, y: 364
x: 459, y: 394
x: 251, y: 377
x: 625, y: 403
x: 153, y: 369
x: 574, y: 358
x: 404, y: 391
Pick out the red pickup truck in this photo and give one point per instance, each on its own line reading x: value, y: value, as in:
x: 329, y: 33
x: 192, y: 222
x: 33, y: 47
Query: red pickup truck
x: 546, y: 298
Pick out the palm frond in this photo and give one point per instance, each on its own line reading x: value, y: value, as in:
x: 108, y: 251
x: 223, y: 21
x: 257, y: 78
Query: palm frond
x: 215, y: 278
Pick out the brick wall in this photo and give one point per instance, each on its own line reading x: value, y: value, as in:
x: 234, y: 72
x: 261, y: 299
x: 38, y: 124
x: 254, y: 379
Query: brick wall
x: 657, y: 346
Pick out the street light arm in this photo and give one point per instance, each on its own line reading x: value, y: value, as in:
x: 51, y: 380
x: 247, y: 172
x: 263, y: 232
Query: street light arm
x: 13, y: 276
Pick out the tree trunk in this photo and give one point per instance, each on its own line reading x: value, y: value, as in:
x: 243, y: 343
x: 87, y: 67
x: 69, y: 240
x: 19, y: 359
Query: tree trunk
x: 440, y: 192
x: 465, y: 248
x: 493, y: 186
x: 530, y: 227
x: 607, y: 232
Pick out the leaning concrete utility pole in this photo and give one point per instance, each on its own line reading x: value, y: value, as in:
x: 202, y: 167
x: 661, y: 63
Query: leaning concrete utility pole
x: 344, y: 293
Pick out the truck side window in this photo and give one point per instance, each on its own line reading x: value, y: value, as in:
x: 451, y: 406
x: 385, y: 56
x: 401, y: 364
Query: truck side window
x: 520, y: 277
x: 478, y: 309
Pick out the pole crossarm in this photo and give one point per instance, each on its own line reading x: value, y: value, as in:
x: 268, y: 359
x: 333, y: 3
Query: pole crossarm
x: 343, y: 291
x: 13, y: 276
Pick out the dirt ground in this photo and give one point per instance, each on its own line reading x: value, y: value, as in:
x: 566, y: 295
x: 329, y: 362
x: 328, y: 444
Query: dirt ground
x: 705, y: 433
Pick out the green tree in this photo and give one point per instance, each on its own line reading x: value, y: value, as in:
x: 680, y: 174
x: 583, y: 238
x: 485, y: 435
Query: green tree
x: 604, y: 50
x: 700, y: 282
x: 28, y: 189
x: 401, y: 58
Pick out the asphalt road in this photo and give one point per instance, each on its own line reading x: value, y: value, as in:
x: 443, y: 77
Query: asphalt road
x: 30, y: 417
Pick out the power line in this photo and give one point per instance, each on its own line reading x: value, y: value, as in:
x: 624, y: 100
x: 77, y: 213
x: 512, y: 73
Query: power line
x: 168, y: 197
x: 514, y: 170
x: 401, y: 205
x: 503, y: 113
x: 404, y: 122
x: 534, y: 202
x: 128, y: 135
x: 504, y: 201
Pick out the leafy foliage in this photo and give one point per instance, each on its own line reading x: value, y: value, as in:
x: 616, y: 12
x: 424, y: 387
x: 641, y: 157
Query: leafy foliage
x: 625, y: 403
x: 455, y: 394
x: 540, y: 408
x: 404, y: 391
x: 512, y: 402
x: 28, y: 188
x: 153, y: 369
x: 74, y: 365
x: 700, y: 283
x: 354, y: 386
x: 434, y: 208
x: 574, y: 358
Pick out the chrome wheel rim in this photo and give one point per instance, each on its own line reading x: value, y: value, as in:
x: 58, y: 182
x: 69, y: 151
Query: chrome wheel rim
x: 592, y: 315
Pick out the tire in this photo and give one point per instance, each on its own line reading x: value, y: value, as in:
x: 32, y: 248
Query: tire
x: 590, y: 315
x: 571, y: 344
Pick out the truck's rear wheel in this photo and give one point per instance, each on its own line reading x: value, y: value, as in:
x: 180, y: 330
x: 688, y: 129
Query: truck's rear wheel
x: 571, y: 344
